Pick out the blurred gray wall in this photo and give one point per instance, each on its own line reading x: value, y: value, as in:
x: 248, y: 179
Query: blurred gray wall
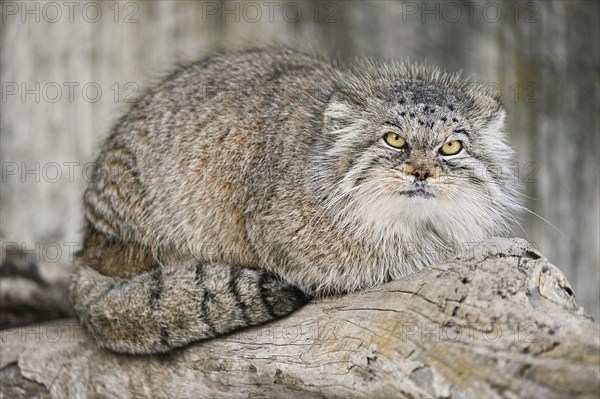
x: 67, y: 70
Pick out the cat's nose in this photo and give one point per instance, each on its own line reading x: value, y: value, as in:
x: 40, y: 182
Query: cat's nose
x: 421, y: 174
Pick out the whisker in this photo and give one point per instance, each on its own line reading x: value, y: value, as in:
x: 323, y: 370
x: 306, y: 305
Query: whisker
x: 535, y: 214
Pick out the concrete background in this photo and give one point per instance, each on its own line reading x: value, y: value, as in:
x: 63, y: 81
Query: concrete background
x: 68, y: 69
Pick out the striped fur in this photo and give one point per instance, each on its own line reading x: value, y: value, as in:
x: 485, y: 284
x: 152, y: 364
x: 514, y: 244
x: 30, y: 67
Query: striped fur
x: 172, y: 306
x: 250, y: 165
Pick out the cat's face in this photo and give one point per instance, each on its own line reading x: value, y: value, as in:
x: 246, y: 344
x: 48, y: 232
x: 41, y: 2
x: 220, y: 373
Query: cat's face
x: 418, y: 155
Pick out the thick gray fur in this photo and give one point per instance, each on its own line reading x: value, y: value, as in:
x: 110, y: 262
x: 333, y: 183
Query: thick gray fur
x: 173, y: 306
x: 251, y: 165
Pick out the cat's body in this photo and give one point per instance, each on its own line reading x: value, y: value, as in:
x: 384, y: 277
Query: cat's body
x: 271, y: 160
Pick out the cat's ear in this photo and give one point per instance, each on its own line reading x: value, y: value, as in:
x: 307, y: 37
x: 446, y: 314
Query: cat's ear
x: 491, y: 111
x: 487, y: 105
x: 495, y: 122
x: 337, y: 113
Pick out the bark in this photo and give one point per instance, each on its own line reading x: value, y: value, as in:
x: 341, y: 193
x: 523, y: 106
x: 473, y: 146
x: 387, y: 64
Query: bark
x: 499, y: 321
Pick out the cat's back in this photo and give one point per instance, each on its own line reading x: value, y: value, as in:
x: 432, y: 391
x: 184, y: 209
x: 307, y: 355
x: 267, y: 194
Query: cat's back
x: 204, y: 99
x: 235, y: 76
x: 185, y: 155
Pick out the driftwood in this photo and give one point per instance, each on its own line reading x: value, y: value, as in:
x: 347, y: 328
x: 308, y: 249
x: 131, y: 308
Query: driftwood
x: 498, y: 322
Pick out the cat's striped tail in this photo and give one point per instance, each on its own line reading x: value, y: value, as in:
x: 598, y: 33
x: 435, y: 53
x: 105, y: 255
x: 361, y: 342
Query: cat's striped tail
x: 172, y: 306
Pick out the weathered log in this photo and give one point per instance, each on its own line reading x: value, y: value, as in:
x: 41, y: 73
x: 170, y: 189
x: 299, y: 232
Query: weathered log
x: 498, y: 322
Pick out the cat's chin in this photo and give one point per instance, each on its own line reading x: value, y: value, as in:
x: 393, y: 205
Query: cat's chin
x: 405, y: 208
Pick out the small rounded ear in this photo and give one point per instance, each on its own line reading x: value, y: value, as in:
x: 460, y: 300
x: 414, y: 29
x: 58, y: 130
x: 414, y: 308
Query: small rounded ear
x: 487, y: 100
x: 496, y: 120
x: 337, y: 113
x: 490, y: 110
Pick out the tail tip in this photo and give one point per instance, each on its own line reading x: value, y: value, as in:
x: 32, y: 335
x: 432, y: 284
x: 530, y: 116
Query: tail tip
x: 286, y: 298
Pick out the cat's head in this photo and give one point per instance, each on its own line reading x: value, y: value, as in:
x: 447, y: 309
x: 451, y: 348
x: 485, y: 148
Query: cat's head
x: 410, y: 147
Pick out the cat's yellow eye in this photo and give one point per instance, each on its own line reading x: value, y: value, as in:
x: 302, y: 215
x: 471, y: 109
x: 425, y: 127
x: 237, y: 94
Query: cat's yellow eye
x: 451, y: 148
x: 394, y: 140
